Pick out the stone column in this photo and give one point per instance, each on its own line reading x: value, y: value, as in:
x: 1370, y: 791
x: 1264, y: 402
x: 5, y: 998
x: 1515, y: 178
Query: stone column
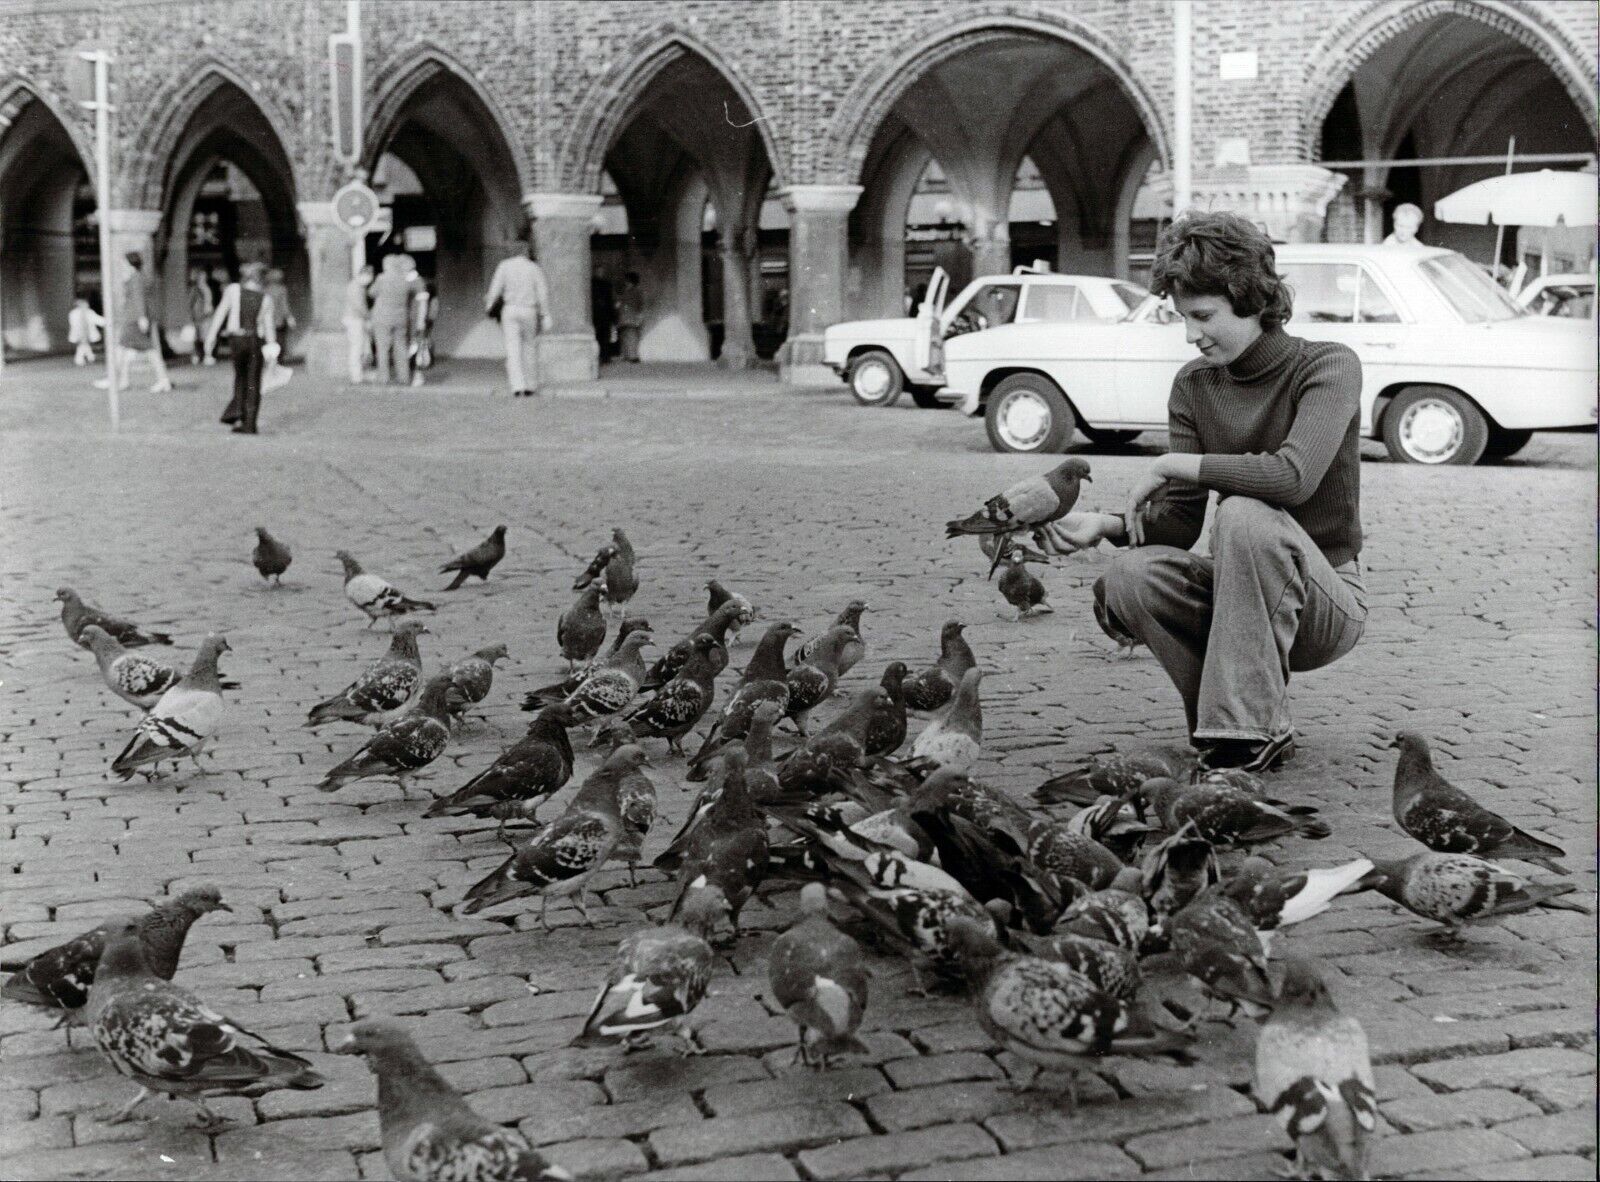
x: 738, y: 343
x: 819, y: 218
x: 562, y: 223
x: 330, y: 252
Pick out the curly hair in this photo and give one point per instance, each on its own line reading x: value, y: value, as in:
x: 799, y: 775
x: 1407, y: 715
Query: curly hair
x: 1221, y: 254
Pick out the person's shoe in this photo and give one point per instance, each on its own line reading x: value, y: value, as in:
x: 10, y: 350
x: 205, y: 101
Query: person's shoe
x: 161, y: 388
x: 1247, y: 754
x: 243, y: 430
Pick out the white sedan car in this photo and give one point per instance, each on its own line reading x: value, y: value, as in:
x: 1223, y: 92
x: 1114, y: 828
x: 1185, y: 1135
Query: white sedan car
x: 1453, y: 370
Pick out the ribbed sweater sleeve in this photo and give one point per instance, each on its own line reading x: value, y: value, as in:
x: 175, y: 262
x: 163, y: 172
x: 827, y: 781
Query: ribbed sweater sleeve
x: 1329, y: 397
x: 1176, y: 514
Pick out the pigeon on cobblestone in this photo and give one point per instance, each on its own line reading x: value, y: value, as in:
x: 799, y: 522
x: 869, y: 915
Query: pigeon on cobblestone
x: 76, y: 615
x: 812, y: 681
x: 1109, y: 966
x: 817, y: 975
x: 375, y: 595
x: 611, y: 689
x: 404, y: 746
x: 522, y: 777
x: 562, y: 857
x: 718, y: 595
x: 183, y: 720
x: 271, y: 557
x: 848, y: 847
x: 917, y: 921
x: 725, y: 847
x: 1113, y: 775
x: 383, y: 687
x: 851, y: 652
x: 1118, y: 914
x: 429, y: 1132
x: 760, y: 770
x: 933, y: 687
x: 1065, y: 853
x: 636, y: 804
x: 1313, y: 1072
x: 479, y: 560
x: 1126, y: 641
x: 613, y: 568
x: 1020, y: 587
x: 167, y: 1040
x: 1455, y: 889
x: 670, y: 662
x: 1218, y: 946
x: 1176, y: 870
x: 558, y: 691
x: 1048, y: 1014
x: 133, y: 676
x: 677, y: 707
x: 1225, y: 815
x: 955, y: 738
x: 59, y: 978
x: 659, y: 976
x: 471, y: 679
x: 1275, y: 898
x: 581, y: 630
x: 763, y: 681
x: 1029, y: 503
x: 1448, y: 821
x: 873, y: 719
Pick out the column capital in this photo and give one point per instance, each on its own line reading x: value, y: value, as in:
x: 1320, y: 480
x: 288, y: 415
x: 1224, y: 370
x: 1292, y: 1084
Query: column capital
x: 820, y: 198
x: 133, y: 221
x: 317, y: 213
x: 577, y: 206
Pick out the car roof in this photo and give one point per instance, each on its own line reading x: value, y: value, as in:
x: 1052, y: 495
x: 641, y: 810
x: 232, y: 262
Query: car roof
x: 1561, y: 279
x: 1052, y: 277
x: 1353, y: 250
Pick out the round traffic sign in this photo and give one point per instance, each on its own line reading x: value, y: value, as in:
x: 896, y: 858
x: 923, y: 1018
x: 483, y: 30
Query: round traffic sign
x: 355, y: 206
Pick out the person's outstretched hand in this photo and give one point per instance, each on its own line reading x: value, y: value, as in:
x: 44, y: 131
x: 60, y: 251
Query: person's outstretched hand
x: 1078, y: 531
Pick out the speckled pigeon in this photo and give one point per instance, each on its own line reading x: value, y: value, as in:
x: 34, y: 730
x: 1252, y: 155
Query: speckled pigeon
x: 1448, y: 821
x: 270, y: 557
x: 1177, y: 869
x: 557, y: 691
x: 917, y: 921
x: 954, y: 739
x: 1029, y: 503
x: 611, y: 689
x: 479, y: 560
x: 404, y: 746
x: 429, y: 1132
x: 378, y: 598
x: 811, y: 682
x: 471, y: 679
x: 383, y: 687
x: 670, y: 662
x: 183, y: 720
x: 1111, y: 967
x: 1218, y: 946
x: 763, y: 681
x: 677, y: 707
x: 522, y: 777
x: 1225, y: 815
x: 1118, y: 914
x: 131, y: 675
x: 1455, y: 889
x: 726, y: 847
x: 76, y: 615
x: 851, y: 652
x: 818, y: 976
x: 1276, y: 898
x: 718, y: 595
x: 932, y: 688
x: 581, y: 630
x: 1113, y: 775
x: 636, y: 805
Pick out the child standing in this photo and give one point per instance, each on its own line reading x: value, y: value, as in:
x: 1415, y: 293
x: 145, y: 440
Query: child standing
x: 83, y: 330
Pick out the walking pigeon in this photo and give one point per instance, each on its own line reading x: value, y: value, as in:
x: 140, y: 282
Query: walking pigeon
x: 522, y: 777
x: 670, y: 662
x: 1113, y: 775
x: 271, y: 557
x: 851, y: 652
x: 933, y: 688
x: 1448, y: 821
x: 918, y: 921
x: 375, y: 595
x: 133, y: 676
x: 1455, y: 889
x: 764, y: 680
x: 727, y: 849
x: 562, y: 857
x: 1020, y: 586
x: 471, y: 679
x: 1218, y: 946
x: 183, y: 720
x: 581, y: 630
x: 717, y: 595
x: 404, y: 746
x: 955, y: 738
x: 1225, y: 815
x: 429, y: 1132
x: 479, y: 560
x: 558, y: 691
x: 1026, y: 505
x: 659, y: 976
x: 1274, y: 898
x: 167, y: 1040
x: 383, y: 687
x: 76, y: 615
x: 60, y: 977
x: 1313, y: 1072
x: 612, y: 689
x: 677, y: 707
x: 817, y: 975
x: 811, y: 682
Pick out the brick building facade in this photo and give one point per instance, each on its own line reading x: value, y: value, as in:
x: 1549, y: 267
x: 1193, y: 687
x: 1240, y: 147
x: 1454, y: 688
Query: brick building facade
x: 482, y: 114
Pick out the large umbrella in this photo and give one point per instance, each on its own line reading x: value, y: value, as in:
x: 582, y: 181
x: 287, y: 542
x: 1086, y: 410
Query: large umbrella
x: 1543, y: 198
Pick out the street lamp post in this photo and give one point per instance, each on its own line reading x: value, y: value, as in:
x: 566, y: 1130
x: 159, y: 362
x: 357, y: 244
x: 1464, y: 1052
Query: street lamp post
x: 101, y: 105
x: 1182, y: 105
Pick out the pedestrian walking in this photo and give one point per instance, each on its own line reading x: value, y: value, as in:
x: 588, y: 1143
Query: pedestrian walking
x: 357, y: 334
x: 284, y: 321
x: 139, y: 330
x: 392, y: 293
x: 630, y: 316
x: 1407, y: 222
x: 83, y: 330
x: 603, y: 305
x: 520, y: 298
x: 423, y: 310
x: 1270, y: 422
x: 201, y: 305
x: 245, y: 312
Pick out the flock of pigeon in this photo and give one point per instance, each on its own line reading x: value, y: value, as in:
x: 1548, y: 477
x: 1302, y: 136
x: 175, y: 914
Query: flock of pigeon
x: 1074, y: 937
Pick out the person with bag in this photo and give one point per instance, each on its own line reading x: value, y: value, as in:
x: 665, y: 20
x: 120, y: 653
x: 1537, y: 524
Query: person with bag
x: 245, y: 312
x: 520, y: 299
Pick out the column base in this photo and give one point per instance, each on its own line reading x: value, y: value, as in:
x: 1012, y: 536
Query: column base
x: 568, y: 357
x: 800, y: 362
x: 324, y: 354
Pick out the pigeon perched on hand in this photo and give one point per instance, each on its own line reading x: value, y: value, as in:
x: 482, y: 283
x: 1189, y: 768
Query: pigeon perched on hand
x: 933, y: 688
x: 270, y: 557
x: 404, y: 746
x: 817, y: 975
x: 1313, y: 1072
x: 850, y: 653
x: 522, y: 777
x: 167, y: 1040
x: 1029, y: 503
x: 133, y: 676
x: 471, y: 679
x: 383, y: 687
x: 1455, y: 889
x: 59, y: 978
x: 375, y: 595
x: 183, y: 720
x: 1020, y: 586
x: 1448, y: 821
x: 479, y: 560
x: 429, y: 1132
x: 581, y: 630
x: 76, y: 615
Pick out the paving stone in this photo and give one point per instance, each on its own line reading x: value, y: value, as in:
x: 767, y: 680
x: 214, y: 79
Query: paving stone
x: 1487, y: 1106
x: 1208, y: 1142
x: 1505, y: 1071
x: 641, y: 1077
x: 1446, y: 1149
x: 936, y: 1069
x: 896, y: 1151
x: 1115, y: 1121
x: 780, y: 1129
x: 610, y: 1158
x: 796, y: 1086
x: 1563, y: 1132
x: 961, y: 1101
x: 1553, y: 1093
x: 769, y: 1166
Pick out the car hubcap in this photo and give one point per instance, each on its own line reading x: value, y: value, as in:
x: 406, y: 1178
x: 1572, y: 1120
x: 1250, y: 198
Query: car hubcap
x: 1431, y: 431
x: 872, y: 381
x: 1024, y: 420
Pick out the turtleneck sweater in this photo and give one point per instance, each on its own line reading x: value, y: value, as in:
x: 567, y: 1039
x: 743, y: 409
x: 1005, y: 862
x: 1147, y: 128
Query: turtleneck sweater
x: 1279, y: 423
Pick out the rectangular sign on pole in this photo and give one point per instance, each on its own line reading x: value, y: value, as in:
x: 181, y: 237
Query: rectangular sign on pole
x: 344, y: 94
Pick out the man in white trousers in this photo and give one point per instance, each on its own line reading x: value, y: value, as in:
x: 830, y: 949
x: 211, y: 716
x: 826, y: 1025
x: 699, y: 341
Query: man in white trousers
x: 520, y: 296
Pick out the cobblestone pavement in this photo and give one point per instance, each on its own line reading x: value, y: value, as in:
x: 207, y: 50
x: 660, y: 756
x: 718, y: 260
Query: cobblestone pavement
x: 1482, y: 584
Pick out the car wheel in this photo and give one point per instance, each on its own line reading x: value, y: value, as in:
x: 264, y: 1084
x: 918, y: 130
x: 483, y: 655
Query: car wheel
x: 1433, y: 425
x: 1028, y: 413
x: 926, y: 397
x: 1108, y: 437
x: 875, y: 378
x: 1504, y: 443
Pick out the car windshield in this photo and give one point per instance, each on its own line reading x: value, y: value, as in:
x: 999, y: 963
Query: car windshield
x: 1468, y: 289
x: 1153, y: 309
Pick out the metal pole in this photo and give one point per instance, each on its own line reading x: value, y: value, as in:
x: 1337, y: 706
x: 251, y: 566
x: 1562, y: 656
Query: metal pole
x: 1182, y: 105
x: 102, y: 169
